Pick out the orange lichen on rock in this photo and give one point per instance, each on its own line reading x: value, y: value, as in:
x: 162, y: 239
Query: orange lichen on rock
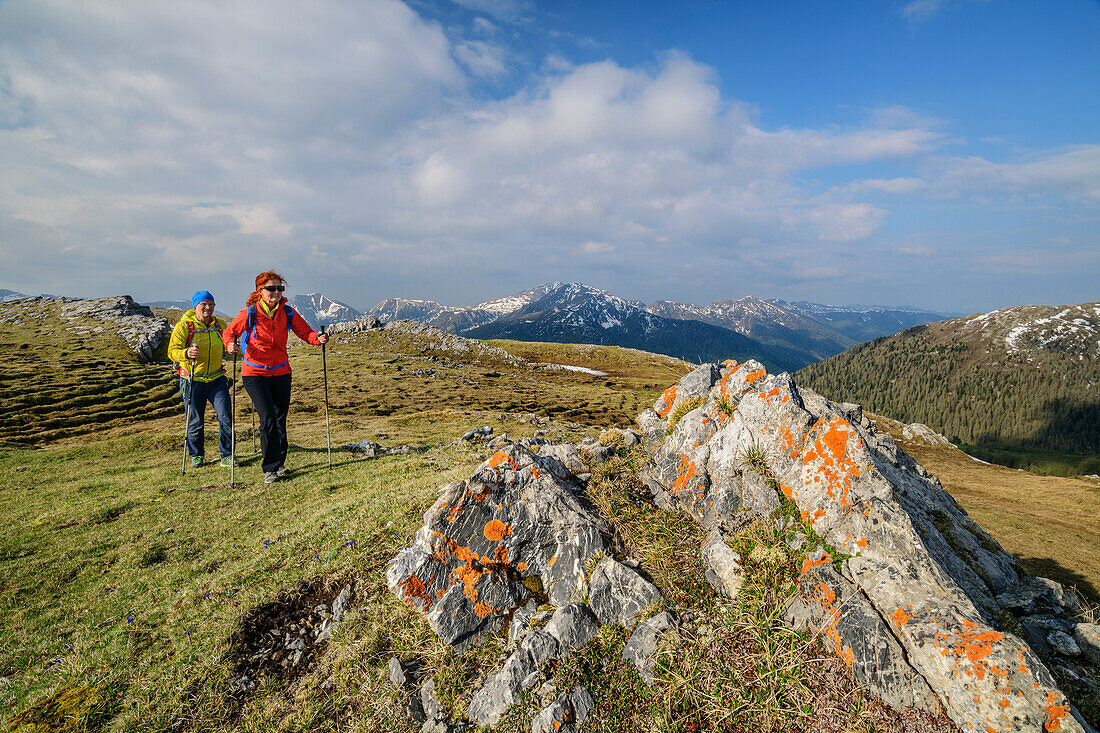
x: 755, y: 376
x: 413, y: 589
x: 453, y: 514
x: 496, y: 530
x: 1057, y: 707
x: 685, y: 475
x: 826, y: 600
x: 501, y: 458
x: 814, y: 561
x: 836, y: 468
x: 482, y: 609
x: 666, y: 400
x: 973, y: 646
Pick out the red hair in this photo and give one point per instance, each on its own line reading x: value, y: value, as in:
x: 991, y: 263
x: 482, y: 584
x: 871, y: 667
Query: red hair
x: 262, y: 278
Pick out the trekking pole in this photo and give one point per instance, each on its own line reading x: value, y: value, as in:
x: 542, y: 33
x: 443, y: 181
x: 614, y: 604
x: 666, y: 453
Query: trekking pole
x: 328, y: 435
x: 187, y: 413
x: 233, y: 427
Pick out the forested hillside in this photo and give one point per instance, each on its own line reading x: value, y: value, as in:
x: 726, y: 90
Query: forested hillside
x: 1020, y: 379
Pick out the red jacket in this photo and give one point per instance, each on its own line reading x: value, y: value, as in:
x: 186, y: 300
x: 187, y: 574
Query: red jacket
x: 265, y: 352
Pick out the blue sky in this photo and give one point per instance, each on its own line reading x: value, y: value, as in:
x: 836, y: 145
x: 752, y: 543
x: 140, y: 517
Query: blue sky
x: 940, y: 153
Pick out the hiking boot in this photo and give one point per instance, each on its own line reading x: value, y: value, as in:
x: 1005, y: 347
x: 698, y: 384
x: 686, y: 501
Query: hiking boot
x: 270, y: 477
x: 230, y: 462
x: 196, y: 461
x: 282, y: 471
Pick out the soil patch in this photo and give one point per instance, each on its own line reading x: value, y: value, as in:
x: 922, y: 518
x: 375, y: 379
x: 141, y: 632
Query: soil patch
x: 285, y: 637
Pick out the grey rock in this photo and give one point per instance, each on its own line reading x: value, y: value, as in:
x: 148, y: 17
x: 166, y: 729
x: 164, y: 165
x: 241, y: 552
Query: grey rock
x: 476, y: 434
x: 1063, y: 643
x: 1087, y: 637
x: 429, y: 701
x: 398, y: 676
x: 340, y: 604
x: 572, y: 626
x: 517, y: 516
x: 567, y: 454
x: 504, y: 688
x: 618, y: 594
x: 521, y: 622
x: 724, y: 571
x: 564, y: 715
x: 597, y: 453
x: 1032, y: 595
x: 830, y: 606
x: 909, y: 607
x: 644, y: 641
x: 136, y: 324
x: 1049, y: 623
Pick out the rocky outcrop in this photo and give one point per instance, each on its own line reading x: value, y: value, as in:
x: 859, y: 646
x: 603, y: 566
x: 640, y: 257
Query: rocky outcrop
x: 519, y: 533
x: 910, y: 603
x: 515, y: 528
x: 134, y: 323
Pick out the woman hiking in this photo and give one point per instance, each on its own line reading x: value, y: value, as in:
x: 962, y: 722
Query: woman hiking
x: 196, y: 345
x: 263, y: 327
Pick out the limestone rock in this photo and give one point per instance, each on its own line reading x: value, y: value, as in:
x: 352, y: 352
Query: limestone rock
x: 516, y: 517
x: 136, y: 324
x: 724, y: 571
x: 1087, y: 637
x: 909, y: 607
x: 643, y: 643
x: 504, y: 688
x: 567, y: 454
x: 618, y: 594
x: 572, y: 626
x: 564, y: 715
x: 1063, y: 643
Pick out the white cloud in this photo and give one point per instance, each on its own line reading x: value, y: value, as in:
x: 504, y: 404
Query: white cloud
x: 352, y: 141
x: 846, y: 222
x: 1072, y: 171
x: 482, y: 59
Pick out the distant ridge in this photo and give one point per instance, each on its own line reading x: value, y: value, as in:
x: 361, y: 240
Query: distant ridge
x: 1020, y: 378
x: 785, y: 336
x: 578, y: 313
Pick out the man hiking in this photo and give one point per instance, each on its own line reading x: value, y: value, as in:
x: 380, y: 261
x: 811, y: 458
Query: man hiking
x: 196, y: 345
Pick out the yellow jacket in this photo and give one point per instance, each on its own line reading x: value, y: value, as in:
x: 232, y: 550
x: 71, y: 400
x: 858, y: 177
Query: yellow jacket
x: 208, y: 365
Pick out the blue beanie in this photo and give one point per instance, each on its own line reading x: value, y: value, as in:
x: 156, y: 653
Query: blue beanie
x: 200, y: 296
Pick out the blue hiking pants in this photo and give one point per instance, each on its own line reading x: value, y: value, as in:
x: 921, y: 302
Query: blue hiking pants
x: 217, y: 393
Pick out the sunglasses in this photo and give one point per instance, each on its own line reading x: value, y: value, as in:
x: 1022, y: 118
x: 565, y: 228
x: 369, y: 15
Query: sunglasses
x: 273, y: 288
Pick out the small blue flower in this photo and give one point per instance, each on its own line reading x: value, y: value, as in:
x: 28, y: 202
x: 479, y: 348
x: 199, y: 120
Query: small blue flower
x: 57, y: 661
x: 130, y: 620
x: 352, y: 542
x: 187, y: 633
x: 69, y: 649
x: 206, y: 596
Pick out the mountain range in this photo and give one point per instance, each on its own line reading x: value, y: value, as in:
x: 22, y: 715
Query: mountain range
x: 1020, y: 378
x: 784, y: 336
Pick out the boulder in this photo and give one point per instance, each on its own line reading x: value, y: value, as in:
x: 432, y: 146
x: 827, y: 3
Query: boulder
x: 567, y: 454
x: 515, y: 518
x: 644, y: 641
x: 618, y: 594
x: 910, y: 610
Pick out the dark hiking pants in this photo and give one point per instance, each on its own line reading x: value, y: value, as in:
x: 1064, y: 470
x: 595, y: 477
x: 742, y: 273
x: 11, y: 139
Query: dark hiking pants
x: 217, y: 394
x: 271, y: 398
